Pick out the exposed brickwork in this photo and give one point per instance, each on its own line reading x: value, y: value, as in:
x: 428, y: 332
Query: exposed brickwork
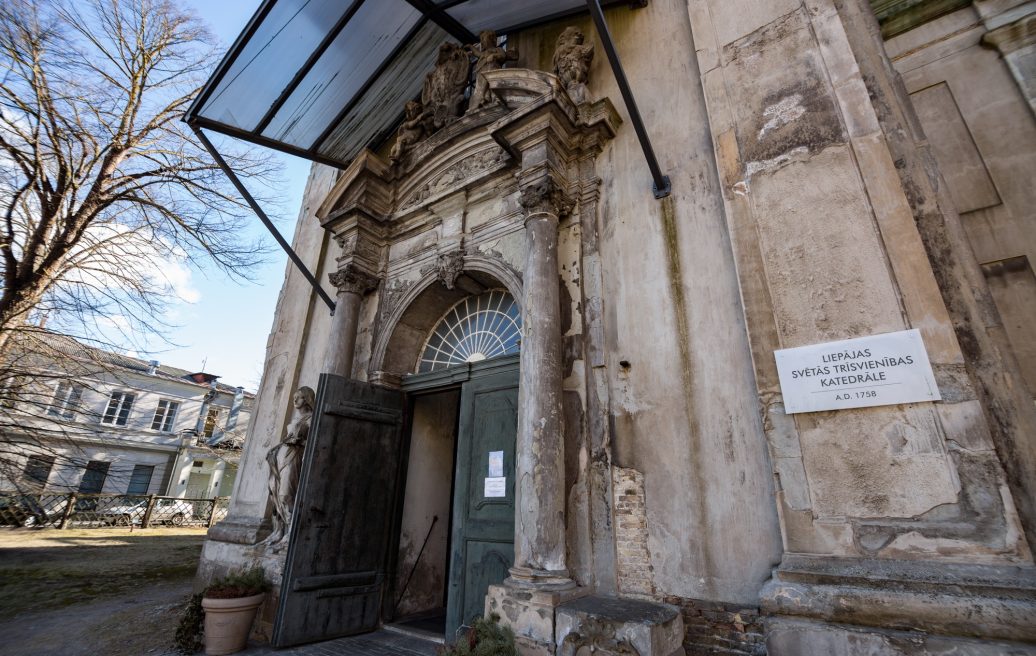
x: 717, y: 628
x: 633, y: 560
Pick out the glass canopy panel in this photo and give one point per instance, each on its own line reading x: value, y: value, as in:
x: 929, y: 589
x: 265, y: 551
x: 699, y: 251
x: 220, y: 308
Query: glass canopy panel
x: 478, y: 15
x: 477, y: 328
x: 378, y: 110
x: 369, y: 39
x: 268, y: 61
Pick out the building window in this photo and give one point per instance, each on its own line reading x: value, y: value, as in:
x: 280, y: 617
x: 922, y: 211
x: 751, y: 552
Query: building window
x: 140, y: 479
x: 211, y: 419
x: 118, y: 410
x: 165, y: 414
x: 477, y: 328
x: 198, y: 463
x: 93, y: 477
x: 66, y: 400
x: 37, y: 470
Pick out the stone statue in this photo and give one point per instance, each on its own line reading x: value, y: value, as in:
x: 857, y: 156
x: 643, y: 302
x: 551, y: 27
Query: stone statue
x: 443, y: 91
x: 410, y: 132
x: 285, y: 460
x: 572, y: 63
x: 488, y: 57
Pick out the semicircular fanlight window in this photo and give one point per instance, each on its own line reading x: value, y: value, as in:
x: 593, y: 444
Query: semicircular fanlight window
x: 477, y: 328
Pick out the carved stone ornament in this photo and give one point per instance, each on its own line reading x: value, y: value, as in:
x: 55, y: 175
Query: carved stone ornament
x: 488, y: 57
x: 352, y: 279
x: 449, y: 267
x: 597, y: 638
x: 572, y: 63
x: 545, y: 196
x: 285, y: 463
x: 454, y: 175
x: 411, y: 131
x: 443, y: 91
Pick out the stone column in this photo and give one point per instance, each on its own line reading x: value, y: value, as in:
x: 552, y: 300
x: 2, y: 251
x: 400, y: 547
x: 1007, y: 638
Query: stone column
x: 353, y: 284
x: 540, y: 497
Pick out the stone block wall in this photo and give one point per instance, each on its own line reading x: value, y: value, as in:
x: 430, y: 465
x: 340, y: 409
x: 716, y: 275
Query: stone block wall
x: 714, y: 627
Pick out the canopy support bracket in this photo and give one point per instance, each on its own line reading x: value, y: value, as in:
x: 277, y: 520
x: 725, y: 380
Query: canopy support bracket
x: 292, y: 255
x: 662, y: 187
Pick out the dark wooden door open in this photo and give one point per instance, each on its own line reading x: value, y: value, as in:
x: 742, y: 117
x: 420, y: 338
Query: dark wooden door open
x: 335, y: 573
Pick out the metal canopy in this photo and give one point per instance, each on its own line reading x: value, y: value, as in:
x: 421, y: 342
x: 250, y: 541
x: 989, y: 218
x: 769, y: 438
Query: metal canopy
x: 322, y: 79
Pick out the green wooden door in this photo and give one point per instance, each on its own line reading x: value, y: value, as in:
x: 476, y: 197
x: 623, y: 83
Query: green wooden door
x: 482, y: 541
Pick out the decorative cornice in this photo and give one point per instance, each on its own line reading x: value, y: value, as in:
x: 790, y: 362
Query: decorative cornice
x: 354, y: 280
x: 545, y: 196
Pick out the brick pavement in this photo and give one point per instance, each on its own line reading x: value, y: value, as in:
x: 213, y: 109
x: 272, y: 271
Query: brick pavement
x: 379, y: 643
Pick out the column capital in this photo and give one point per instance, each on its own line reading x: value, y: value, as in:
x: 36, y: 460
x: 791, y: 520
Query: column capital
x: 353, y: 279
x: 545, y: 195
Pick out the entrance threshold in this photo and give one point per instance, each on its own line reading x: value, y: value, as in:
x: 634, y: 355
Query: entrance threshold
x: 414, y: 630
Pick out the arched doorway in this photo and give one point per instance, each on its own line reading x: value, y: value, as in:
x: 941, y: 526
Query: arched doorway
x: 456, y: 535
x: 385, y: 469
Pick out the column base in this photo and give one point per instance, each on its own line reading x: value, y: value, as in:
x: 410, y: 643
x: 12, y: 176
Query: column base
x: 530, y: 612
x: 610, y: 625
x: 540, y: 579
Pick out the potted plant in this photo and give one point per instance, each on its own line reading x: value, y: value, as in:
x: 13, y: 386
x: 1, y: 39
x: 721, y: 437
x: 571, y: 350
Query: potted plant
x: 228, y: 606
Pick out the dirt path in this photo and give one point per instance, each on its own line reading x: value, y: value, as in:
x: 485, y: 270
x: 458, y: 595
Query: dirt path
x: 111, y: 592
x: 136, y: 624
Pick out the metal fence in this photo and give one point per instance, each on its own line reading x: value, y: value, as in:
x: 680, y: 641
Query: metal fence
x: 75, y: 510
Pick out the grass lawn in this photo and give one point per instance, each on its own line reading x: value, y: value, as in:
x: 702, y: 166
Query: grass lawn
x: 50, y: 569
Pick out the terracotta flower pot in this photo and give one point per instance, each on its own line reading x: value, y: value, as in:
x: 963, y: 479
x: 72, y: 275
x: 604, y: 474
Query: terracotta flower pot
x: 227, y: 623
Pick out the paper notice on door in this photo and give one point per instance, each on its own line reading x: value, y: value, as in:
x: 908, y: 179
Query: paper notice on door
x: 496, y: 463
x: 496, y: 486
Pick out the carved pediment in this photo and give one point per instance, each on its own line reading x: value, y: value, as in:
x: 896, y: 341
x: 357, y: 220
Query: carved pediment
x: 469, y: 149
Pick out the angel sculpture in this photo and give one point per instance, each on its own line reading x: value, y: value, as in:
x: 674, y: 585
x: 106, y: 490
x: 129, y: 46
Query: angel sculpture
x: 488, y: 57
x: 572, y: 63
x: 410, y: 131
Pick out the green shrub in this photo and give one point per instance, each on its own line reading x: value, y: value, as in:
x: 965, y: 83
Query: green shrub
x: 486, y: 638
x: 188, y: 633
x: 239, y: 584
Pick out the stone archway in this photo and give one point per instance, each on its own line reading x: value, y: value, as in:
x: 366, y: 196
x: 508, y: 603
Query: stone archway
x: 397, y: 348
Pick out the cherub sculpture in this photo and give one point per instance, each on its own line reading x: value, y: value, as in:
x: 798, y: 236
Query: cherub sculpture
x: 488, y: 57
x: 410, y: 131
x: 285, y: 460
x: 572, y: 63
x: 443, y: 91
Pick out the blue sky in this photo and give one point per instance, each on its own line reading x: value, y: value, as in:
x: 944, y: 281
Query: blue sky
x: 227, y: 326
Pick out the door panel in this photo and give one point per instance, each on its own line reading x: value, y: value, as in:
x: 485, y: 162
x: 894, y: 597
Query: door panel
x: 483, y: 526
x: 335, y: 570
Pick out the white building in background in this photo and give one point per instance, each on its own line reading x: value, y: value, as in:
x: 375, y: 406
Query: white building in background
x: 129, y: 427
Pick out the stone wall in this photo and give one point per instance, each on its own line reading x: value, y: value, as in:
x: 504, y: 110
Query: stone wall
x: 714, y: 627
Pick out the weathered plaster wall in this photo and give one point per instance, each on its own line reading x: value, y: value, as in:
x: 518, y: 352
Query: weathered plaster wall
x: 428, y: 489
x: 297, y: 305
x: 983, y: 135
x: 827, y: 249
x: 683, y: 409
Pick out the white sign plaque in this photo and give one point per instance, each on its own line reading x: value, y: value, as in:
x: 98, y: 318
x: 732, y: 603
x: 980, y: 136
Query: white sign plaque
x: 856, y: 373
x: 496, y: 463
x: 496, y: 486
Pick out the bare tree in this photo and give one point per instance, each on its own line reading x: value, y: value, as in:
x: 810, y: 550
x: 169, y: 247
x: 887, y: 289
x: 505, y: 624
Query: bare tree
x: 103, y: 190
x: 102, y: 179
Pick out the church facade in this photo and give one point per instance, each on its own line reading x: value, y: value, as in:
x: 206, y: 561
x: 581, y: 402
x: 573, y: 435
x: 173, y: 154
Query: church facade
x: 549, y: 391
